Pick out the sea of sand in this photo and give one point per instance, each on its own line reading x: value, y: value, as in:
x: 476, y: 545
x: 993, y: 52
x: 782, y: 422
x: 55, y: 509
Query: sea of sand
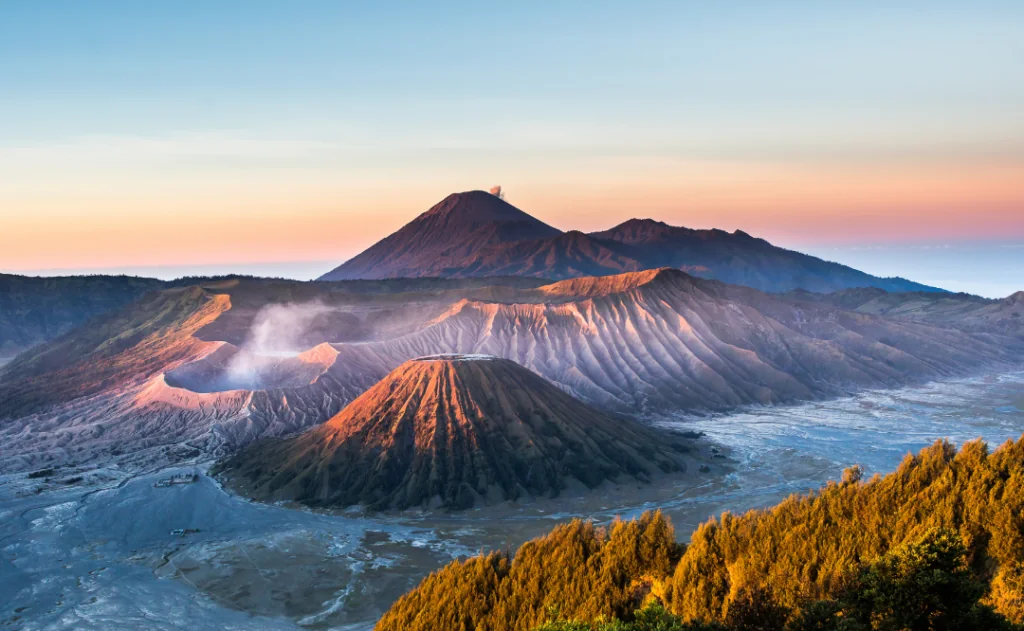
x: 103, y: 552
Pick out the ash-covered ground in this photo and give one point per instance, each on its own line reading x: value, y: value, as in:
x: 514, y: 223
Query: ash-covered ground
x: 107, y: 551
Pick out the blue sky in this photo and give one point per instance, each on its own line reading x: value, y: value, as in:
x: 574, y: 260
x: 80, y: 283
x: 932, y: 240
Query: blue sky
x: 130, y: 131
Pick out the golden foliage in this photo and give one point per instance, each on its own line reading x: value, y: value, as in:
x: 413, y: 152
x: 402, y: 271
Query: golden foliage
x: 805, y: 548
x: 578, y: 571
x: 800, y: 559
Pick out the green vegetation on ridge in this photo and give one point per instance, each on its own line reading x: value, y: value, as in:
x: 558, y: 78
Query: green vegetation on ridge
x: 937, y: 544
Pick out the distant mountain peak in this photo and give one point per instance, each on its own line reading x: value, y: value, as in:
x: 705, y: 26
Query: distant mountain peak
x: 476, y: 206
x: 477, y: 233
x: 444, y: 237
x: 635, y: 229
x: 644, y: 222
x: 573, y: 236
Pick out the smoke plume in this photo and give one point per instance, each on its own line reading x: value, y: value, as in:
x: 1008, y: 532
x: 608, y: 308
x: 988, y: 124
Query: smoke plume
x: 277, y: 331
x: 282, y: 328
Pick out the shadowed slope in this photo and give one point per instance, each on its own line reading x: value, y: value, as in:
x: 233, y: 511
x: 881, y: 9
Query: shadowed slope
x: 569, y: 255
x: 444, y: 238
x: 450, y: 430
x: 477, y: 234
x: 740, y: 259
x: 35, y: 310
x: 971, y: 313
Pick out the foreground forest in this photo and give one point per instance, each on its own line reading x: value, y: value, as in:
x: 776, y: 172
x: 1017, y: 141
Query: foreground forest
x: 937, y: 544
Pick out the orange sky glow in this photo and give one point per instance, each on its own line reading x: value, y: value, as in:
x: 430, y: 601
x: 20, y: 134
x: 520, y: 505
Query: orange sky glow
x: 328, y: 221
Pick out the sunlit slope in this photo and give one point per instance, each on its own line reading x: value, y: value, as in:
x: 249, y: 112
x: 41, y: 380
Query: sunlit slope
x: 806, y: 550
x: 664, y: 341
x: 114, y: 351
x: 451, y: 431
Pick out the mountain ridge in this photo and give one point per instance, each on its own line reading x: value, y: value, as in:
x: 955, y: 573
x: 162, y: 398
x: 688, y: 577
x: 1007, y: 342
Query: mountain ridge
x: 477, y: 234
x: 656, y: 343
x: 34, y: 310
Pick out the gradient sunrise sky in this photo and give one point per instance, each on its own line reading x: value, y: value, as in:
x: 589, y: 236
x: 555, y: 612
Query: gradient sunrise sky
x: 278, y: 137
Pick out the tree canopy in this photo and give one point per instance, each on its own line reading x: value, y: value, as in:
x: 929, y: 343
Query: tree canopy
x: 936, y: 545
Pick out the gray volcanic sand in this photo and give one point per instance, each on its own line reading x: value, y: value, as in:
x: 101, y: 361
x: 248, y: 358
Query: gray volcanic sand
x: 98, y: 554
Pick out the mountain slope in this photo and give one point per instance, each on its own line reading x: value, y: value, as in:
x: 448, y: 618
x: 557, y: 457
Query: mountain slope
x: 569, y: 255
x: 35, y: 310
x: 450, y: 430
x: 115, y: 350
x: 982, y: 316
x: 181, y: 366
x: 444, y: 238
x: 662, y: 341
x: 476, y: 234
x: 740, y: 259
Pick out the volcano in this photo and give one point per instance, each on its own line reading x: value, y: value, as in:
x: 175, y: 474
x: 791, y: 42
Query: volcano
x: 445, y: 239
x: 449, y: 431
x: 477, y: 234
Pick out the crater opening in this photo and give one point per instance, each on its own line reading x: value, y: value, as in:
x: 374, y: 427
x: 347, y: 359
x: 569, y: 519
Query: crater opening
x: 233, y: 368
x: 456, y: 357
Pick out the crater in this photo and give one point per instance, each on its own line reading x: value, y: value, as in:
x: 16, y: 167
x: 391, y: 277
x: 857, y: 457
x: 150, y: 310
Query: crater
x: 456, y: 357
x: 232, y: 368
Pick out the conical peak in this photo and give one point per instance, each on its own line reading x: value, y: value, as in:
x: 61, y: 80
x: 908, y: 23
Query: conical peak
x: 476, y: 206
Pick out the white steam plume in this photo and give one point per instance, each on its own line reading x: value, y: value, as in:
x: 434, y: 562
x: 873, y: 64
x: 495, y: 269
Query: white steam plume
x: 277, y: 330
x: 282, y: 327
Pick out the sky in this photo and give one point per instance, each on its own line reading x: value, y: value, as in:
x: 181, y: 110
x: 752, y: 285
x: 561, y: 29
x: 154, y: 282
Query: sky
x: 282, y: 138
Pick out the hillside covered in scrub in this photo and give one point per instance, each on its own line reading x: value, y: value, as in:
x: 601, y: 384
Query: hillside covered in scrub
x: 937, y: 544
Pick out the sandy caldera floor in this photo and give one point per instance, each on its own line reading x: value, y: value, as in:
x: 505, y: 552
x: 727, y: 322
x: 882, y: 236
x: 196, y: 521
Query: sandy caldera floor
x: 99, y: 553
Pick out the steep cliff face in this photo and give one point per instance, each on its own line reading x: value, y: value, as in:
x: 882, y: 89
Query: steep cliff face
x: 112, y: 352
x: 451, y: 430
